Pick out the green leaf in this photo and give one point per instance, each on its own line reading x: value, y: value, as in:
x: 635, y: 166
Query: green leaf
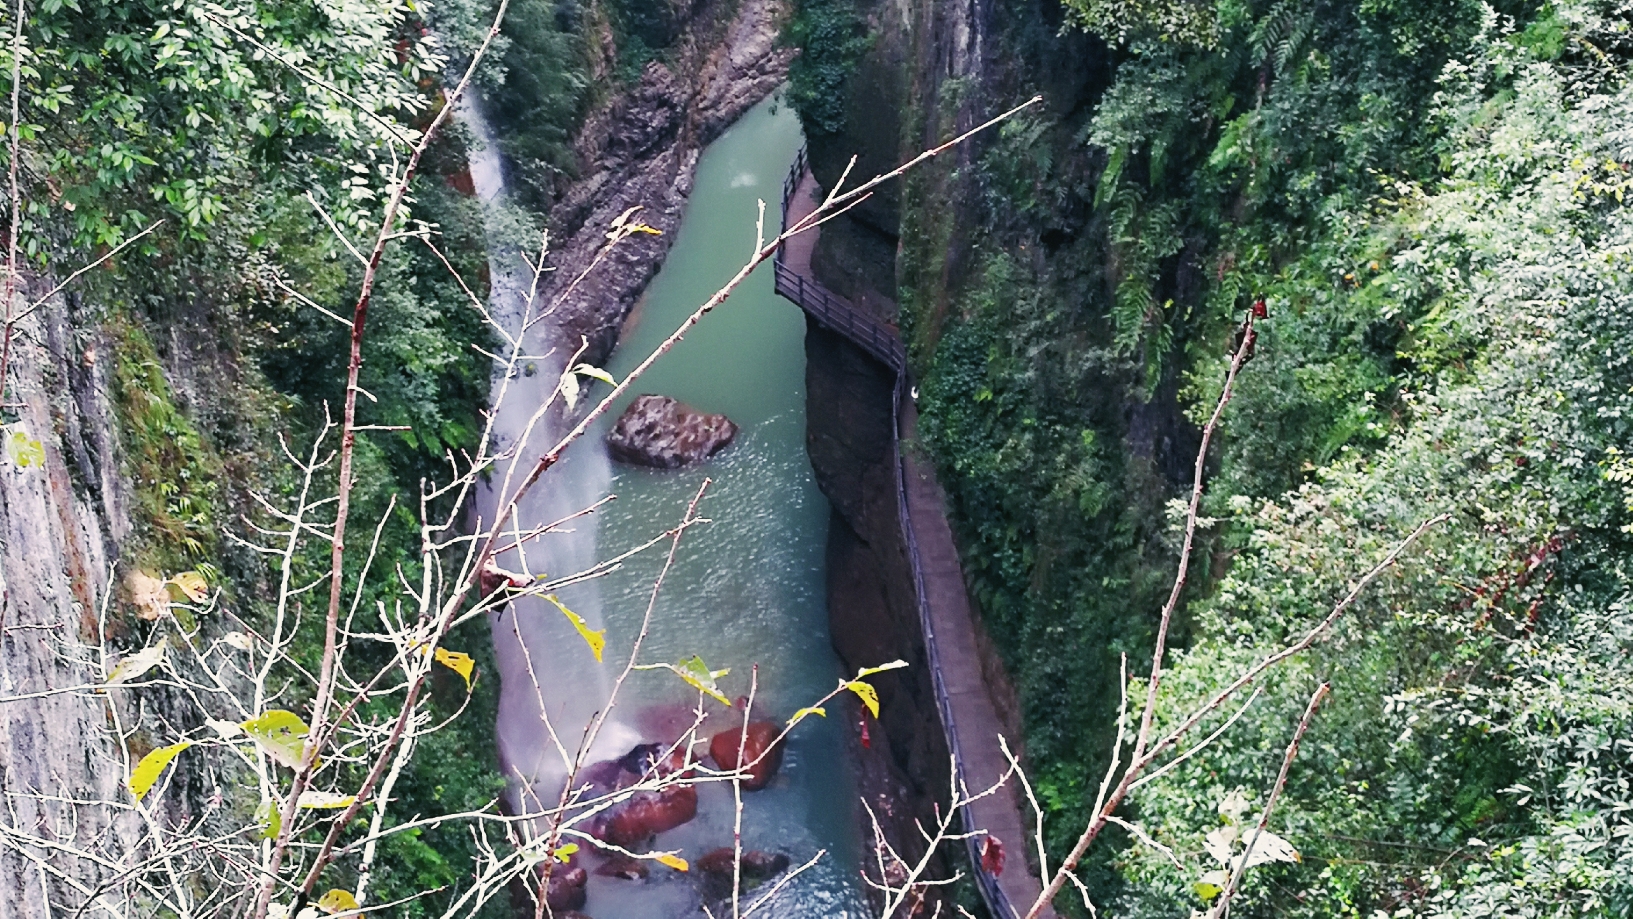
x: 1212, y: 884
x: 269, y: 819
x: 152, y: 766
x: 697, y: 673
x: 597, y: 640
x: 868, y: 695
x: 23, y: 450
x: 134, y: 665
x: 281, y: 734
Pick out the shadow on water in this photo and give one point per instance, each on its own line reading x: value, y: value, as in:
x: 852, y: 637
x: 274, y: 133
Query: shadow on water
x: 746, y: 589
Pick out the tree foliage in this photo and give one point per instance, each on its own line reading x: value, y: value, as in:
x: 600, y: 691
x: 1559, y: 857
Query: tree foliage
x: 1429, y: 199
x: 1475, y: 762
x: 136, y: 110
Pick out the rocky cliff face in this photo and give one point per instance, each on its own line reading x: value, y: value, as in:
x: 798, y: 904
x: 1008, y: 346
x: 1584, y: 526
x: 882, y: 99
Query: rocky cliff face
x: 61, y: 524
x: 641, y: 150
x: 872, y: 615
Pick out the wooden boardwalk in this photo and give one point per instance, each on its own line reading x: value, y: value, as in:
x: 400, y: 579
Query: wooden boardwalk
x: 968, y: 714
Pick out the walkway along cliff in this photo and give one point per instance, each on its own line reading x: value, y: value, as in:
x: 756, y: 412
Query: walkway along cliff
x: 953, y: 658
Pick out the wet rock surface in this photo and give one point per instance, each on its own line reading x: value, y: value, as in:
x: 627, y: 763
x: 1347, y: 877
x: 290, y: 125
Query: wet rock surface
x: 646, y: 814
x: 568, y: 889
x: 622, y: 866
x: 716, y: 869
x: 664, y: 433
x: 762, y: 755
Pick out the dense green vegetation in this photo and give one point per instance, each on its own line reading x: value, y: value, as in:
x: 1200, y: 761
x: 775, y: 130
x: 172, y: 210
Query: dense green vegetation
x: 234, y: 125
x: 1430, y: 199
x: 1474, y: 759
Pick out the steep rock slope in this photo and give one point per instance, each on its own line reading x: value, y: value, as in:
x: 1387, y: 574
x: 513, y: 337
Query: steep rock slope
x: 640, y: 150
x: 61, y: 525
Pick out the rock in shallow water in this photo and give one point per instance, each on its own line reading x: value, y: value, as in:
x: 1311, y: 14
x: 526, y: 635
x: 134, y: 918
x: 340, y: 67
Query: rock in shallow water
x: 716, y: 868
x: 664, y: 433
x: 762, y: 754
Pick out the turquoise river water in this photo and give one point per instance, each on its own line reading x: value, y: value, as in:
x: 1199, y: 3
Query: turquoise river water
x: 746, y: 589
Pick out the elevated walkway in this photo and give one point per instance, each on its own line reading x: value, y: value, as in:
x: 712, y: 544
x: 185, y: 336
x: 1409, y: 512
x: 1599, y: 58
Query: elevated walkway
x: 968, y: 715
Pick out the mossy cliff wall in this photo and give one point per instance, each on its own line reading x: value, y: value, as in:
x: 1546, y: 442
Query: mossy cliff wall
x: 1057, y: 450
x: 73, y: 521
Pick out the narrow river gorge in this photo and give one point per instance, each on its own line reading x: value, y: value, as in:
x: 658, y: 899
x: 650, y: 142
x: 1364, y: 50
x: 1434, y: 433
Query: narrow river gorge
x: 746, y: 590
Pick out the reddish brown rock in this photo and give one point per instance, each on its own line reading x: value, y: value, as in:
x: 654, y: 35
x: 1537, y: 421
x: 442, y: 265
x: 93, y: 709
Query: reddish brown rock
x: 646, y: 814
x: 663, y: 433
x: 567, y: 889
x: 762, y: 755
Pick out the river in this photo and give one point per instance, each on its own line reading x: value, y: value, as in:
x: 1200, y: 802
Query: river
x: 746, y: 588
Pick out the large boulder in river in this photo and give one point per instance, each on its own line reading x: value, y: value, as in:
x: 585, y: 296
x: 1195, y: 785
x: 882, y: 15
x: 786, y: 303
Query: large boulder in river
x: 762, y: 753
x: 664, y: 433
x: 646, y: 814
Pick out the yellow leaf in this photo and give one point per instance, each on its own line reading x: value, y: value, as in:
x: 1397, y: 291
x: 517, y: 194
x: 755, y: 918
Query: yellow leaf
x: 458, y: 662
x: 563, y: 853
x: 870, y: 671
x: 325, y: 800
x: 338, y: 901
x: 24, y: 450
x: 239, y: 640
x: 149, y: 595
x: 192, y: 584
x: 597, y: 640
x: 152, y: 766
x: 597, y: 373
x: 800, y: 715
x: 673, y: 861
x: 281, y: 734
x: 134, y: 665
x: 868, y: 695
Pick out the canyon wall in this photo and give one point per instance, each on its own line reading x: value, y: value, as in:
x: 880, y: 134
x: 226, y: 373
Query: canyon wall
x: 64, y: 519
x: 640, y: 150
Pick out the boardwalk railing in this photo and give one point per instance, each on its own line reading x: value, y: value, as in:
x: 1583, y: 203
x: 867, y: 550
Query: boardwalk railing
x: 885, y: 344
x: 841, y: 316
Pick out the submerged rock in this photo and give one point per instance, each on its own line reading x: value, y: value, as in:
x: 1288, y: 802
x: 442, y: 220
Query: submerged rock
x: 716, y: 868
x: 665, y: 433
x: 622, y: 866
x: 762, y: 755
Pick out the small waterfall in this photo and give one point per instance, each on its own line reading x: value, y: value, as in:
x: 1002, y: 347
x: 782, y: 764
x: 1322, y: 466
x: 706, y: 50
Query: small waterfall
x: 549, y: 681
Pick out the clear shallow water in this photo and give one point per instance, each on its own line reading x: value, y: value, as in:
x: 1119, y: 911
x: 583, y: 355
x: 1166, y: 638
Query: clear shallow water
x: 747, y: 588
